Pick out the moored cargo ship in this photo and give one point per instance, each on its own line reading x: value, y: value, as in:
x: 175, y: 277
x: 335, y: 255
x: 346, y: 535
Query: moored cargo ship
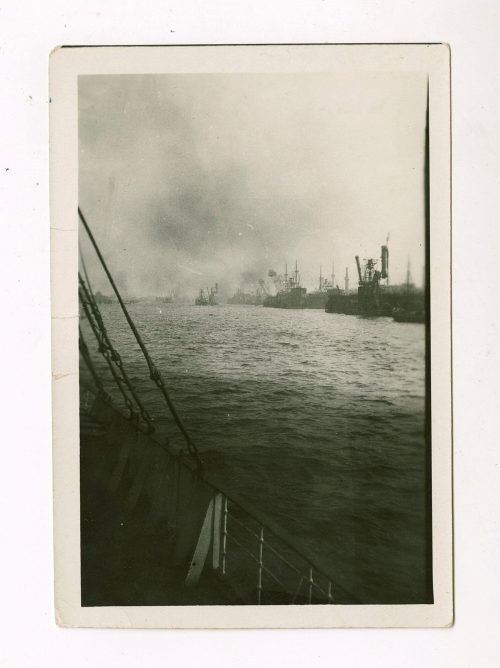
x: 290, y: 293
x: 319, y: 297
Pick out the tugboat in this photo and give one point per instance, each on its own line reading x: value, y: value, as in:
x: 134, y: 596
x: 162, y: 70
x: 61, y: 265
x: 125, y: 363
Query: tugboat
x: 403, y: 315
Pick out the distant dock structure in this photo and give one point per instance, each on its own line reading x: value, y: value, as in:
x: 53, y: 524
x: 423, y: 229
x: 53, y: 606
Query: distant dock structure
x: 207, y: 296
x: 375, y: 297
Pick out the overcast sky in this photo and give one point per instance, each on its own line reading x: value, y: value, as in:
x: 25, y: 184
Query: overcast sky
x: 191, y: 179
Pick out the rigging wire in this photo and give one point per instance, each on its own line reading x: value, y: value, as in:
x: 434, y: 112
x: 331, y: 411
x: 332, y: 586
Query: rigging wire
x: 82, y: 345
x: 111, y: 356
x: 107, y: 349
x: 154, y: 372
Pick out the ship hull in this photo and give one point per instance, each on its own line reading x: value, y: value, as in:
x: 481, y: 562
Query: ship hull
x: 316, y: 300
x: 292, y: 299
x: 338, y: 302
x: 381, y: 303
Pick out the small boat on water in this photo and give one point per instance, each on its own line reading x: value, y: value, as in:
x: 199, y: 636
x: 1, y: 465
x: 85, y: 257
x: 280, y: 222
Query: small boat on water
x: 404, y: 315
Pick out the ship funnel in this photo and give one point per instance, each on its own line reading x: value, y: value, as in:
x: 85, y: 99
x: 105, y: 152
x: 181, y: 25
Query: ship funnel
x: 385, y: 262
x: 358, y: 265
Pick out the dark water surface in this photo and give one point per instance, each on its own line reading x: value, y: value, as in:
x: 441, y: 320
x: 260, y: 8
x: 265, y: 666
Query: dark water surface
x: 316, y: 419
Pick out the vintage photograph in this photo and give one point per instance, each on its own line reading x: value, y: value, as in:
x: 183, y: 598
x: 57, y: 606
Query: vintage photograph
x: 254, y: 298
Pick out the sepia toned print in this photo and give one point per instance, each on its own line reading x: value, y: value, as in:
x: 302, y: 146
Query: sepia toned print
x: 255, y: 289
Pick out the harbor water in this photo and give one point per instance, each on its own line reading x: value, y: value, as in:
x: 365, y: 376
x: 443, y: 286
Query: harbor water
x: 315, y: 419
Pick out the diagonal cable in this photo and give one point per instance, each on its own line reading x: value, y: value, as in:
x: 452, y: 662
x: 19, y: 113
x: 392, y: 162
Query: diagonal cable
x: 154, y: 373
x: 84, y: 351
x: 112, y: 356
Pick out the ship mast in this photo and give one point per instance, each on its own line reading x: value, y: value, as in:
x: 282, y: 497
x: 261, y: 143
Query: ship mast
x: 320, y: 279
x: 408, y: 275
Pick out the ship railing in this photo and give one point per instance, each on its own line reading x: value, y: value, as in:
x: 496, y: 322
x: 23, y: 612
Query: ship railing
x: 260, y: 561
x: 266, y: 569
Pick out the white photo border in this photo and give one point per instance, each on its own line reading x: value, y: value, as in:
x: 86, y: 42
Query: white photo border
x: 66, y: 64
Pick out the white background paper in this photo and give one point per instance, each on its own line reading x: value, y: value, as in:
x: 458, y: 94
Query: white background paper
x: 29, y: 30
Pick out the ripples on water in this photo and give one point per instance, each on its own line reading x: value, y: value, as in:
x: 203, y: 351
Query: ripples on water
x: 317, y: 419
